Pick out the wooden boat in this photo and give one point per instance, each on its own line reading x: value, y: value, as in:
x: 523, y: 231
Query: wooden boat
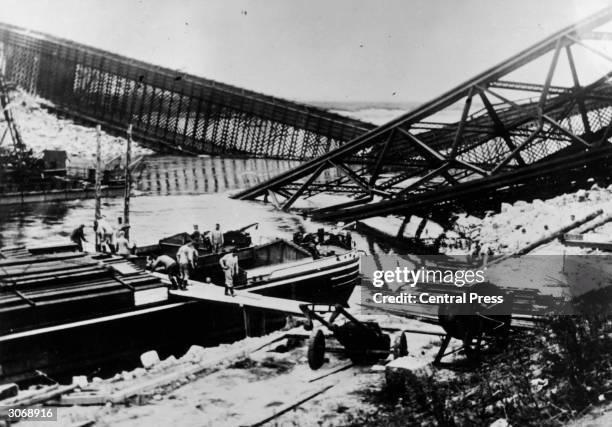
x: 64, y: 313
x: 279, y: 268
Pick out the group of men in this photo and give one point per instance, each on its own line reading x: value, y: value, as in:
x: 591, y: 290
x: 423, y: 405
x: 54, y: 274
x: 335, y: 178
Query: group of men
x: 108, y: 240
x: 215, y: 238
x: 178, y: 270
x: 186, y: 261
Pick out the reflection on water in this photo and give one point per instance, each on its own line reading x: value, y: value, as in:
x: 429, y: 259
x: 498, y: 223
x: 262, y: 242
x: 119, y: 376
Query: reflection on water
x: 151, y: 218
x: 198, y: 175
x: 177, y: 192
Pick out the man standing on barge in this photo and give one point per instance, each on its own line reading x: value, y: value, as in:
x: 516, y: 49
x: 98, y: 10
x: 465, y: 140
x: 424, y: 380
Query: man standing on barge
x: 216, y: 239
x: 229, y: 264
x: 186, y: 257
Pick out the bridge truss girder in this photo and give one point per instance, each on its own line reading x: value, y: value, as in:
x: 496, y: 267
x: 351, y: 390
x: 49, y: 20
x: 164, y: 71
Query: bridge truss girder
x: 415, y: 155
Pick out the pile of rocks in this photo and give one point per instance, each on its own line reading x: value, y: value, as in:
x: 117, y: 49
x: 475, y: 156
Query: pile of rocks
x: 42, y: 130
x: 522, y: 223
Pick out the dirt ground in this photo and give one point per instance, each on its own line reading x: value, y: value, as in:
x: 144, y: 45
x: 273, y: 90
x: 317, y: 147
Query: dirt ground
x: 256, y: 387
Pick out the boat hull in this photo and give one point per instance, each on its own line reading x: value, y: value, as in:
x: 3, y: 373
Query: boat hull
x: 105, y: 345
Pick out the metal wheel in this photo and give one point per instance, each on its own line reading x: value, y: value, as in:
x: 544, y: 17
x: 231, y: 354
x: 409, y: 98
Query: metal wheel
x: 316, y: 349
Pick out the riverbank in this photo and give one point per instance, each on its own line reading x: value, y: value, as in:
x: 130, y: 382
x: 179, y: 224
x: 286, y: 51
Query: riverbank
x: 252, y: 380
x: 42, y: 130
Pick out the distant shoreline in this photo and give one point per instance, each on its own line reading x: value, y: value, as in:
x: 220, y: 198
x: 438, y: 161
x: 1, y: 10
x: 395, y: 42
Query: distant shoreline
x: 363, y: 105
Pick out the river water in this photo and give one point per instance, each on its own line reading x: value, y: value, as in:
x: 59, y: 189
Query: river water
x: 171, y: 194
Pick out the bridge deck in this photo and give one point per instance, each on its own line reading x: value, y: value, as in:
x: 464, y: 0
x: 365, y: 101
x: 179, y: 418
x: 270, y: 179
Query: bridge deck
x: 510, y: 139
x: 170, y: 111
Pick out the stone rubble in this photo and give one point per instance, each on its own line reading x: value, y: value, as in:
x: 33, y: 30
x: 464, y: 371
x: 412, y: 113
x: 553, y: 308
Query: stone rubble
x: 522, y: 223
x: 42, y: 130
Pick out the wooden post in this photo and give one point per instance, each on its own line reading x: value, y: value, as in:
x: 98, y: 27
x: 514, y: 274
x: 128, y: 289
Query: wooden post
x: 98, y: 182
x: 245, y: 318
x: 128, y: 182
x: 548, y: 238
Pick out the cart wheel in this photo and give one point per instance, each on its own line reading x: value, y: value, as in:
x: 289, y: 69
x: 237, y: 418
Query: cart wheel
x: 400, y: 346
x: 316, y: 349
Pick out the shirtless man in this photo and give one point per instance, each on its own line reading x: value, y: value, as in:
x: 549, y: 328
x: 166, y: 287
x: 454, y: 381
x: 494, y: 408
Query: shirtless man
x: 186, y: 257
x: 169, y: 266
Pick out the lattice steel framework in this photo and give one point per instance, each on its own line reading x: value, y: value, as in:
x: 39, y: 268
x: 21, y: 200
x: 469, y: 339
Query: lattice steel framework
x: 510, y: 145
x: 169, y: 110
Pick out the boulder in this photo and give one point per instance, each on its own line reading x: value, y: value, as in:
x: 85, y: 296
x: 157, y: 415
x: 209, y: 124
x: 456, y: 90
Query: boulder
x: 80, y: 380
x: 194, y: 354
x: 405, y: 374
x: 149, y: 359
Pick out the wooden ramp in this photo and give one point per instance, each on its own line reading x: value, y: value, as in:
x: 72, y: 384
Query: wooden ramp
x: 207, y: 292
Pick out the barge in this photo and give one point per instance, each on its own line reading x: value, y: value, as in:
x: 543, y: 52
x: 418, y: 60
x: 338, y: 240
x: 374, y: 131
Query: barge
x: 64, y: 312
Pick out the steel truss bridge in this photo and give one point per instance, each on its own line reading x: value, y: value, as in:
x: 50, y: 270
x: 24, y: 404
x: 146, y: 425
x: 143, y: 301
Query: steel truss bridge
x: 170, y: 111
x: 510, y: 139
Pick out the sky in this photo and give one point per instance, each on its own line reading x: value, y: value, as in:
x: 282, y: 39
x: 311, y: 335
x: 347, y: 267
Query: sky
x: 311, y: 50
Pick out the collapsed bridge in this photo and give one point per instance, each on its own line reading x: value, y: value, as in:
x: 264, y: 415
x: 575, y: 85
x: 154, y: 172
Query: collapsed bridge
x: 170, y: 111
x: 511, y: 139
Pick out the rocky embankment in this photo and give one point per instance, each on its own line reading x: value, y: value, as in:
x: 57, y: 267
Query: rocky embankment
x: 521, y: 223
x: 42, y: 130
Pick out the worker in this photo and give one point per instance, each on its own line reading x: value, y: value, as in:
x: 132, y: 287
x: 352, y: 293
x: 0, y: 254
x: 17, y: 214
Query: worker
x: 216, y: 239
x: 186, y: 257
x: 169, y: 265
x: 229, y: 264
x: 78, y: 236
x: 196, y: 236
x: 123, y: 246
x: 105, y: 235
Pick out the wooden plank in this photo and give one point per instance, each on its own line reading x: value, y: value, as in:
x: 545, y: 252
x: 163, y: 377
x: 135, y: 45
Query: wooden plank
x: 39, y: 397
x: 207, y: 292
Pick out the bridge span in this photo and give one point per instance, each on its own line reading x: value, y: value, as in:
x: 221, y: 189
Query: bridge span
x: 513, y: 137
x: 170, y: 111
